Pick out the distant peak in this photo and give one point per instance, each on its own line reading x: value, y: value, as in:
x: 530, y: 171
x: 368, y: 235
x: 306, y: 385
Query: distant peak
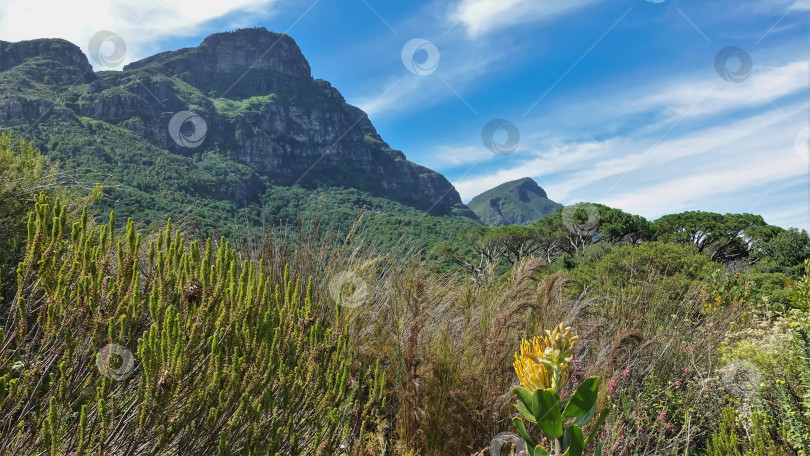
x: 517, y: 202
x: 528, y: 184
x: 73, y: 63
x: 254, y: 33
x: 235, y: 52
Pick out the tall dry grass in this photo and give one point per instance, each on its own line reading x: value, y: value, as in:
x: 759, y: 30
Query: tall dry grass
x: 444, y: 343
x: 447, y: 345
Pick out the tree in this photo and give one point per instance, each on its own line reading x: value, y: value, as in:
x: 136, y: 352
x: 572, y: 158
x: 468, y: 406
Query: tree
x: 480, y: 258
x: 784, y: 251
x: 588, y: 223
x: 724, y: 238
x: 515, y: 242
x: 552, y: 236
x: 619, y: 227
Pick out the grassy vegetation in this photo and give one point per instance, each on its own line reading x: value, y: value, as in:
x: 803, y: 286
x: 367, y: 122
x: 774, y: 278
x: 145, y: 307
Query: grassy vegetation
x: 317, y: 337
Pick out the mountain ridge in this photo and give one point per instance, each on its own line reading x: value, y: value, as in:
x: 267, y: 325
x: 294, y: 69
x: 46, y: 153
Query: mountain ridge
x: 260, y: 105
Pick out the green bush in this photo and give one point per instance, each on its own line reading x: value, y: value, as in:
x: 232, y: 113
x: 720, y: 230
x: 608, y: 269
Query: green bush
x: 24, y: 173
x: 109, y: 350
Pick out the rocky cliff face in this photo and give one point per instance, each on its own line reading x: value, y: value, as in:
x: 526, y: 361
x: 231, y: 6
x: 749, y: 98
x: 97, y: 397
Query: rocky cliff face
x: 232, y: 54
x: 260, y: 106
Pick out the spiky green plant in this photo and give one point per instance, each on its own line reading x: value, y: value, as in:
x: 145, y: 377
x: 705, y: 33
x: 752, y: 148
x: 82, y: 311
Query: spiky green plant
x: 184, y: 350
x: 725, y: 441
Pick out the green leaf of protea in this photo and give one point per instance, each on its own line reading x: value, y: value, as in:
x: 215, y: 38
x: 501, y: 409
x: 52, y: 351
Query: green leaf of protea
x: 546, y: 409
x: 525, y: 412
x: 602, y: 415
x: 577, y: 445
x: 522, y: 431
x: 524, y: 395
x: 583, y: 399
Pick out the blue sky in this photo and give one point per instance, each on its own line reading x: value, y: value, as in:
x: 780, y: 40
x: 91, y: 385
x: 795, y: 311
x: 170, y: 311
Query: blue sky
x: 617, y: 102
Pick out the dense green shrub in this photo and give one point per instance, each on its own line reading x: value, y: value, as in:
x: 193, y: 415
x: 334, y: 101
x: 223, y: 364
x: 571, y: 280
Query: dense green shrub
x: 184, y: 350
x: 24, y: 173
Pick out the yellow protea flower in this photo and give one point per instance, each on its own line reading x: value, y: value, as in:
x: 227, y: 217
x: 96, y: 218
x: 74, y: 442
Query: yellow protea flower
x: 543, y: 361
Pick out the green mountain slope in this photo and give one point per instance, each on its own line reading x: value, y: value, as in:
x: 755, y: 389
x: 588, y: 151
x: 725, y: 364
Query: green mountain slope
x: 518, y: 202
x: 267, y: 124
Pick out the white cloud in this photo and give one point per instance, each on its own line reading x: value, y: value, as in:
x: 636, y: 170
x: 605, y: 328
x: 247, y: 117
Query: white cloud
x: 698, y: 98
x: 775, y: 7
x: 483, y: 16
x: 708, y: 168
x: 746, y: 159
x: 141, y: 24
x: 462, y: 155
x: 556, y: 159
x: 455, y: 71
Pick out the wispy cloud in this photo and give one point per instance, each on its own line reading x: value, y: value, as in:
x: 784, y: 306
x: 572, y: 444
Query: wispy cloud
x: 684, y: 143
x: 679, y: 173
x: 766, y: 85
x: 721, y: 161
x: 684, y: 172
x: 142, y: 24
x: 459, y: 67
x: 462, y: 155
x: 483, y: 16
x: 773, y: 6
